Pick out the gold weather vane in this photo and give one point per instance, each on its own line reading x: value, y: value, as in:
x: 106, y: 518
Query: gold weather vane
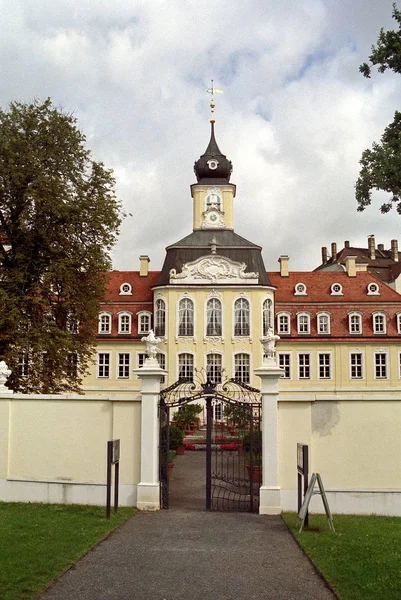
x: 212, y: 90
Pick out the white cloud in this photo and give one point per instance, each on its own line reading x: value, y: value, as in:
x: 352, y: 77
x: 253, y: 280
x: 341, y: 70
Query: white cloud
x: 294, y: 118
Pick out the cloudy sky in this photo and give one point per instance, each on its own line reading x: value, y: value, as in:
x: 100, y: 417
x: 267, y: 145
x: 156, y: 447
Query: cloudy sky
x: 294, y: 118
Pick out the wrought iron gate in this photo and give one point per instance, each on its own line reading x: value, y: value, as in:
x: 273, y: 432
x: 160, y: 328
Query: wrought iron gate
x: 233, y: 441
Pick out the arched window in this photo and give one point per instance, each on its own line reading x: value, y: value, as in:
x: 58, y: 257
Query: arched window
x: 241, y: 317
x: 379, y: 323
x: 104, y: 323
x: 242, y: 367
x: 185, y: 366
x: 213, y: 317
x: 124, y: 322
x: 267, y: 315
x: 160, y: 320
x: 213, y: 368
x: 186, y: 317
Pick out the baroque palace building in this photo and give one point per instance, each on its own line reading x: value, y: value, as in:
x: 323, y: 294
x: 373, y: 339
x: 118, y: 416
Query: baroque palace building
x: 212, y: 301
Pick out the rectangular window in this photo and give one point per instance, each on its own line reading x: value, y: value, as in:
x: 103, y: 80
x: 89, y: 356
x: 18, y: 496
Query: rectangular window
x: 103, y: 365
x: 285, y: 363
x: 356, y: 365
x: 185, y: 366
x: 23, y: 365
x: 323, y: 324
x: 324, y: 366
x: 355, y: 324
x: 242, y: 368
x: 304, y: 366
x: 105, y: 323
x: 303, y: 324
x: 214, y: 367
x: 123, y: 365
x: 125, y: 324
x: 379, y: 324
x: 144, y: 323
x: 72, y: 368
x: 284, y: 324
x: 380, y: 365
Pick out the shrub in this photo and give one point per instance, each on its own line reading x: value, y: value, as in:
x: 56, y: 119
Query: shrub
x: 176, y: 437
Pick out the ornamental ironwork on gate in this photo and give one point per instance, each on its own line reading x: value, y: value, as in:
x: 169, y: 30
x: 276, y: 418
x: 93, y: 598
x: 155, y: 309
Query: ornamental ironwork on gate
x: 233, y: 440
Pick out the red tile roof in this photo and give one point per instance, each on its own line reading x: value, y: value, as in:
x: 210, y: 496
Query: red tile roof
x: 141, y: 286
x: 318, y: 284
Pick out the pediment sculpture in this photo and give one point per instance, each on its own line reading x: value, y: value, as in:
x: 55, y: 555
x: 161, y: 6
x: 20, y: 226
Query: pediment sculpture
x: 213, y: 269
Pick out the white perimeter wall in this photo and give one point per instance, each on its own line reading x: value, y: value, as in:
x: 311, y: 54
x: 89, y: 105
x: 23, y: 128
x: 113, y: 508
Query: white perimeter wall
x: 354, y: 445
x: 53, y: 448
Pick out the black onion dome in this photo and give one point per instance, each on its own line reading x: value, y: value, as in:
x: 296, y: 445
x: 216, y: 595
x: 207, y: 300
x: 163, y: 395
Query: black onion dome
x: 221, y: 166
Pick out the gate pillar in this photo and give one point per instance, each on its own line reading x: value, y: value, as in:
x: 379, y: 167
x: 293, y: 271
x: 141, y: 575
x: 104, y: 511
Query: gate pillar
x: 148, y: 490
x: 270, y: 492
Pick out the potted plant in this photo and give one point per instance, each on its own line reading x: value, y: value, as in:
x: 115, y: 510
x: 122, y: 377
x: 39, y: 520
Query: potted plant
x: 171, y: 455
x: 186, y: 417
x: 176, y: 439
x: 252, y: 445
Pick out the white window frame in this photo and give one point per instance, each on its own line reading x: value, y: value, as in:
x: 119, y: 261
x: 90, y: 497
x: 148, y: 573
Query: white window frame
x: 289, y: 366
x: 358, y: 315
x: 128, y: 291
x: 249, y: 328
x: 399, y: 365
x: 376, y: 365
x: 160, y: 328
x: 319, y: 316
x: 73, y: 364
x: 142, y: 316
x: 217, y: 312
x: 23, y: 365
x: 287, y: 316
x: 181, y: 366
x: 124, y: 313
x: 329, y: 366
x: 398, y: 317
x: 373, y: 289
x: 72, y: 324
x: 109, y: 315
x: 124, y: 366
x: 99, y: 366
x: 267, y: 316
x: 247, y: 354
x: 212, y: 355
x: 300, y: 289
x: 301, y: 315
x: 358, y: 353
x: 180, y: 300
x: 375, y: 316
x: 299, y: 366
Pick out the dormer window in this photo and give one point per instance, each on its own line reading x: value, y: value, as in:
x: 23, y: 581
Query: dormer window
x: 355, y: 323
x: 398, y: 316
x: 336, y: 289
x: 144, y: 321
x: 284, y: 323
x: 125, y: 289
x: 124, y: 323
x: 303, y: 321
x: 300, y: 289
x: 373, y: 289
x: 323, y: 324
x: 379, y: 323
x: 104, y: 323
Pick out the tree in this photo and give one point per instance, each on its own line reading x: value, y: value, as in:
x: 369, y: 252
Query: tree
x: 381, y: 166
x: 59, y: 219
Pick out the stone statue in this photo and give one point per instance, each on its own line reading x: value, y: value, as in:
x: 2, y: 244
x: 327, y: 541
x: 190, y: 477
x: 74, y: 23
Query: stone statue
x: 269, y: 346
x: 5, y: 373
x: 152, y: 346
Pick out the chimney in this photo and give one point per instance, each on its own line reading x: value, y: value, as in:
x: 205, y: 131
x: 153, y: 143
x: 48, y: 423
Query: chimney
x: 380, y: 247
x: 144, y: 265
x: 283, y: 260
x: 324, y: 255
x: 350, y: 266
x: 333, y: 250
x: 371, y: 247
x: 394, y: 250
x: 346, y: 244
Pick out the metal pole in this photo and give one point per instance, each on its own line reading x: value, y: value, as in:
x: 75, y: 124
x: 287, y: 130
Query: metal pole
x: 116, y: 484
x: 306, y: 477
x: 209, y: 419
x: 108, y: 482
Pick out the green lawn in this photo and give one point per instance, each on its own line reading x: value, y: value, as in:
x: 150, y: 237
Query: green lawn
x: 361, y: 561
x: 39, y: 541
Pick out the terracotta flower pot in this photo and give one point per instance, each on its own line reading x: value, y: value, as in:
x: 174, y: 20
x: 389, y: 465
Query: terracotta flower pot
x: 170, y: 469
x: 180, y: 451
x: 255, y: 473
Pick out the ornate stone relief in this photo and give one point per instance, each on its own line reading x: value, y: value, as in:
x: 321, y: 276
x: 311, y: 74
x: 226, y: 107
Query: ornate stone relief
x: 213, y: 268
x: 213, y: 340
